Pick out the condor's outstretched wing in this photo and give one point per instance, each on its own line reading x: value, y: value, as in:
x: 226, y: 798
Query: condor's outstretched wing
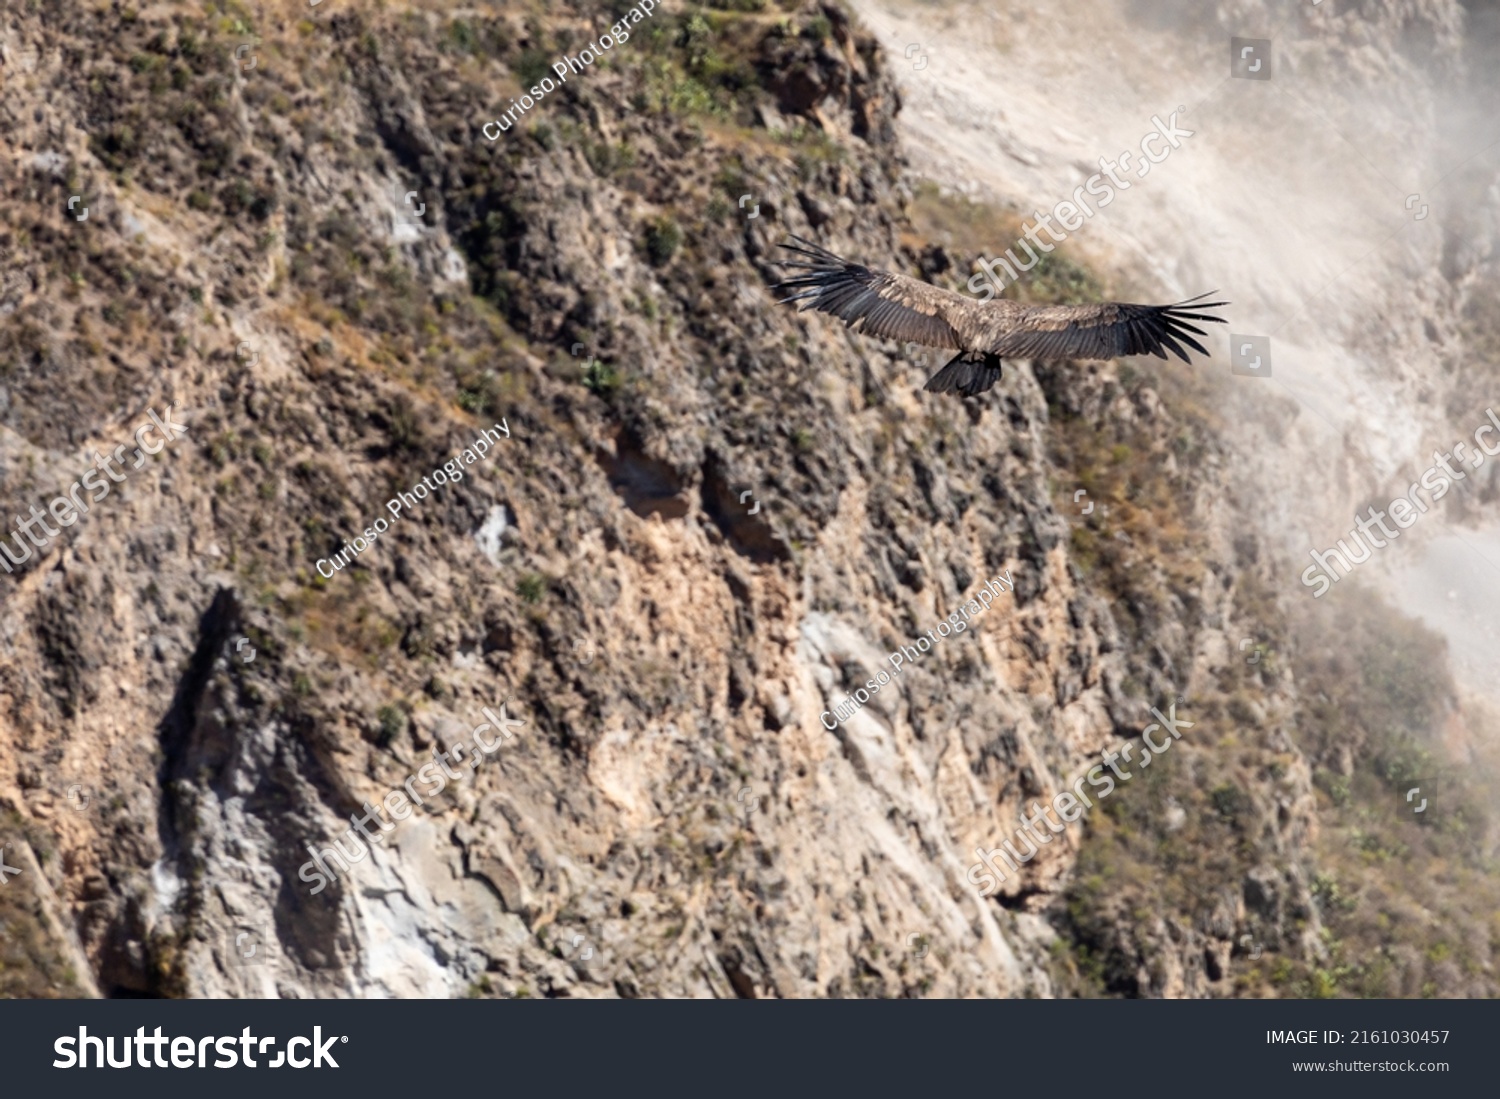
x: 874, y: 302
x: 1105, y: 330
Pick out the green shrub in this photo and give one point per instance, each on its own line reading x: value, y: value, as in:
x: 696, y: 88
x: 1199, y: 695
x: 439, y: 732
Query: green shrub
x: 392, y: 724
x: 1230, y: 801
x: 462, y: 35
x: 601, y: 379
x: 531, y: 65
x: 480, y: 395
x: 663, y: 238
x: 405, y: 429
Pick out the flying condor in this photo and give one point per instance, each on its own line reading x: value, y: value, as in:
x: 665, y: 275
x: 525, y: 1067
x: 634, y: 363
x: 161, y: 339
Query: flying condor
x: 895, y: 307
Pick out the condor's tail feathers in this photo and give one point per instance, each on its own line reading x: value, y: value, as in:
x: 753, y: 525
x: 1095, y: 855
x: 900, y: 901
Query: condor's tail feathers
x: 969, y: 372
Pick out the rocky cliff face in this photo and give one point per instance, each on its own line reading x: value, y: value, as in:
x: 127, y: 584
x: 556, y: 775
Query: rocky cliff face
x: 709, y: 521
x: 1293, y: 197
